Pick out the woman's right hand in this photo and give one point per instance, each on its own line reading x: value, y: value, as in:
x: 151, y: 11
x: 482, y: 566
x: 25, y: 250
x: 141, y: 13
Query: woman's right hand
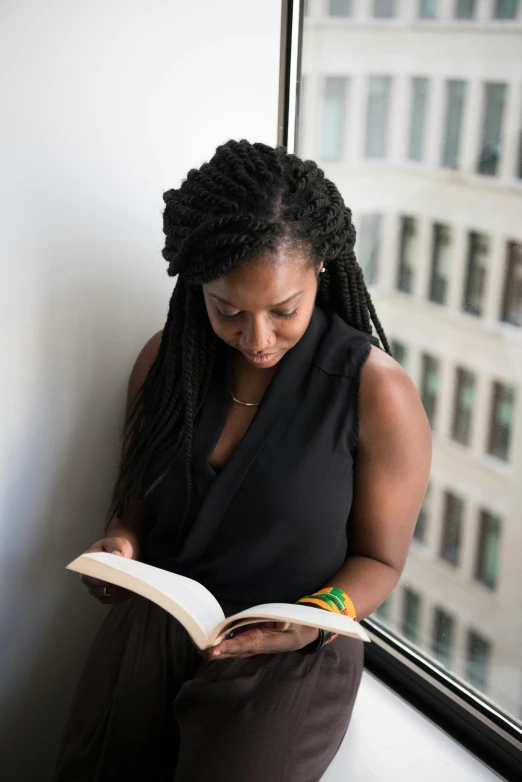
x: 101, y: 590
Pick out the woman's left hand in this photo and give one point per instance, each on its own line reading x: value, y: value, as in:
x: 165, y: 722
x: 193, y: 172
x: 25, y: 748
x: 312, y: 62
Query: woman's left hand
x: 263, y: 638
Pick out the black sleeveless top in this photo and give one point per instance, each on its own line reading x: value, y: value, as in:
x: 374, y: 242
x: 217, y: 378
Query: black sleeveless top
x: 273, y: 524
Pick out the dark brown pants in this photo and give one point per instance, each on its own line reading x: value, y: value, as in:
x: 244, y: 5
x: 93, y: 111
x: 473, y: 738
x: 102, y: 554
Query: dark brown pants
x: 150, y: 708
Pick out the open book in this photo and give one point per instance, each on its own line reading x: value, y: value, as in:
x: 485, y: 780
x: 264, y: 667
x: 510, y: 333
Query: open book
x: 196, y: 608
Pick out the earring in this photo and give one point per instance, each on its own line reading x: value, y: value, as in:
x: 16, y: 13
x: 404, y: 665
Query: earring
x: 323, y: 269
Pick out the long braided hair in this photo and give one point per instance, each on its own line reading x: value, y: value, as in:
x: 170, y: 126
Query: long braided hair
x: 249, y: 199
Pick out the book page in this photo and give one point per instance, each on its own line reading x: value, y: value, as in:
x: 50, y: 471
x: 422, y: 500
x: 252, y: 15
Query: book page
x: 292, y: 612
x: 185, y: 599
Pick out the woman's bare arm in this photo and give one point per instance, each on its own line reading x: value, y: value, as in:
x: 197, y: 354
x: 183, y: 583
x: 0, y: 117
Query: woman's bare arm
x: 133, y: 525
x: 392, y: 470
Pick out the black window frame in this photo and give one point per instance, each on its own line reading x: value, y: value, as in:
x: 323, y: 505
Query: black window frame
x: 473, y: 721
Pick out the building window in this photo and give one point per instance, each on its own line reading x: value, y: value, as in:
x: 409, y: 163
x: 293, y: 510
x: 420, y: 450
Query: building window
x: 408, y: 242
x: 399, y: 352
x: 384, y: 9
x: 463, y: 406
x: 430, y: 386
x: 440, y: 263
x: 427, y: 9
x: 464, y: 9
x: 455, y: 96
x: 383, y: 611
x: 506, y: 9
x: 368, y: 250
x: 512, y: 298
x: 501, y: 420
x: 479, y: 655
x: 333, y: 125
x: 419, y: 100
x: 339, y: 7
x: 486, y: 570
x: 411, y: 609
x: 443, y: 635
x: 478, y: 252
x: 422, y: 520
x: 451, y: 528
x: 379, y: 88
x: 494, y: 101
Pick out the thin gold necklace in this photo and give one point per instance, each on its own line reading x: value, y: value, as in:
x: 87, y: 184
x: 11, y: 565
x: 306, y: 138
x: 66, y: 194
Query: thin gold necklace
x: 246, y: 404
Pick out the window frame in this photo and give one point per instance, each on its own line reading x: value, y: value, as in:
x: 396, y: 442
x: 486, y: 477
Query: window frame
x: 471, y: 720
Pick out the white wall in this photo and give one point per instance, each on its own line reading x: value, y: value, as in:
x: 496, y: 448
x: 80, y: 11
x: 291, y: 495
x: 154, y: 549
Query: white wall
x: 105, y: 105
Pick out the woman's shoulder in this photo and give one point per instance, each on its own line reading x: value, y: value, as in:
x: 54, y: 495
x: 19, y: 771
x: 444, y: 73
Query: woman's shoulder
x: 144, y: 362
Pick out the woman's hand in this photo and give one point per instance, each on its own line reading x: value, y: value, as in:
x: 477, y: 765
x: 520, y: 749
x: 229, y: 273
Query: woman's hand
x: 104, y: 592
x: 263, y: 638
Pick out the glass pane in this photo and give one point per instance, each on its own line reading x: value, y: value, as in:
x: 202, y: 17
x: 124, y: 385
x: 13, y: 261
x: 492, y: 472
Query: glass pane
x: 431, y: 164
x: 377, y: 115
x: 506, y: 9
x: 332, y: 137
x: 428, y: 9
x: 340, y: 7
x: 419, y: 101
x: 465, y: 9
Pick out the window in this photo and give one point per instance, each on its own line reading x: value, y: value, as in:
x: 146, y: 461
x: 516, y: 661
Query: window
x: 427, y: 9
x: 339, y: 7
x: 494, y: 100
x: 443, y: 635
x: 501, y: 420
x: 479, y: 653
x: 478, y: 252
x: 463, y: 406
x: 512, y: 298
x: 486, y: 570
x: 455, y: 96
x: 407, y: 248
x: 411, y: 609
x: 400, y: 352
x: 377, y: 116
x: 422, y: 520
x: 451, y: 528
x: 384, y: 9
x: 506, y: 9
x: 440, y: 263
x: 430, y: 386
x: 464, y: 9
x: 368, y: 250
x: 333, y: 119
x: 383, y: 612
x: 419, y: 100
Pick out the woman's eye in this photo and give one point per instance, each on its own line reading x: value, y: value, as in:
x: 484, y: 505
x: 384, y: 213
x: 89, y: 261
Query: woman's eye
x: 285, y: 315
x: 228, y: 316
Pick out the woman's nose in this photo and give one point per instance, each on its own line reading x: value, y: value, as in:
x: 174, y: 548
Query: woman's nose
x: 257, y: 335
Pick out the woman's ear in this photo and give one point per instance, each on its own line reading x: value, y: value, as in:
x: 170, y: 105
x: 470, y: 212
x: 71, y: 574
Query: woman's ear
x: 320, y: 268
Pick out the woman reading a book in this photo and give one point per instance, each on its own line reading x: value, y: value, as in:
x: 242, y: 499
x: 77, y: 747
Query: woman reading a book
x: 274, y: 451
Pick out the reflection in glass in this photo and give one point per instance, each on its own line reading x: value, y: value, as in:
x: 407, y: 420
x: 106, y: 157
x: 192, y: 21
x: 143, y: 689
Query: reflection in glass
x: 512, y: 298
x: 452, y: 528
x: 479, y: 653
x: 465, y: 9
x: 430, y: 386
x: 486, y: 570
x: 443, y: 635
x: 463, y: 406
x: 377, y: 115
x: 501, y: 420
x: 419, y: 100
x: 332, y: 131
x: 440, y: 263
x: 494, y: 99
x: 455, y: 96
x: 506, y: 9
x: 407, y: 252
x: 475, y: 287
x: 367, y: 246
x: 411, y: 609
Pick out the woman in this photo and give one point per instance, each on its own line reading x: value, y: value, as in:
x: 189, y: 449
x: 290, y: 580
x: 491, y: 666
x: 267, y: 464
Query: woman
x: 271, y: 450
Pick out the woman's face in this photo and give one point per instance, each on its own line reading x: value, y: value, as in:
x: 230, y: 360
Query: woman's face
x: 263, y: 308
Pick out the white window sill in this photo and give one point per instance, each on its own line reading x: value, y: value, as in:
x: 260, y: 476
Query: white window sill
x: 390, y: 740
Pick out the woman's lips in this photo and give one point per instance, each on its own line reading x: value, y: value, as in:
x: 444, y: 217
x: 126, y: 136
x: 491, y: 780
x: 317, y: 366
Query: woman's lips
x: 256, y: 358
